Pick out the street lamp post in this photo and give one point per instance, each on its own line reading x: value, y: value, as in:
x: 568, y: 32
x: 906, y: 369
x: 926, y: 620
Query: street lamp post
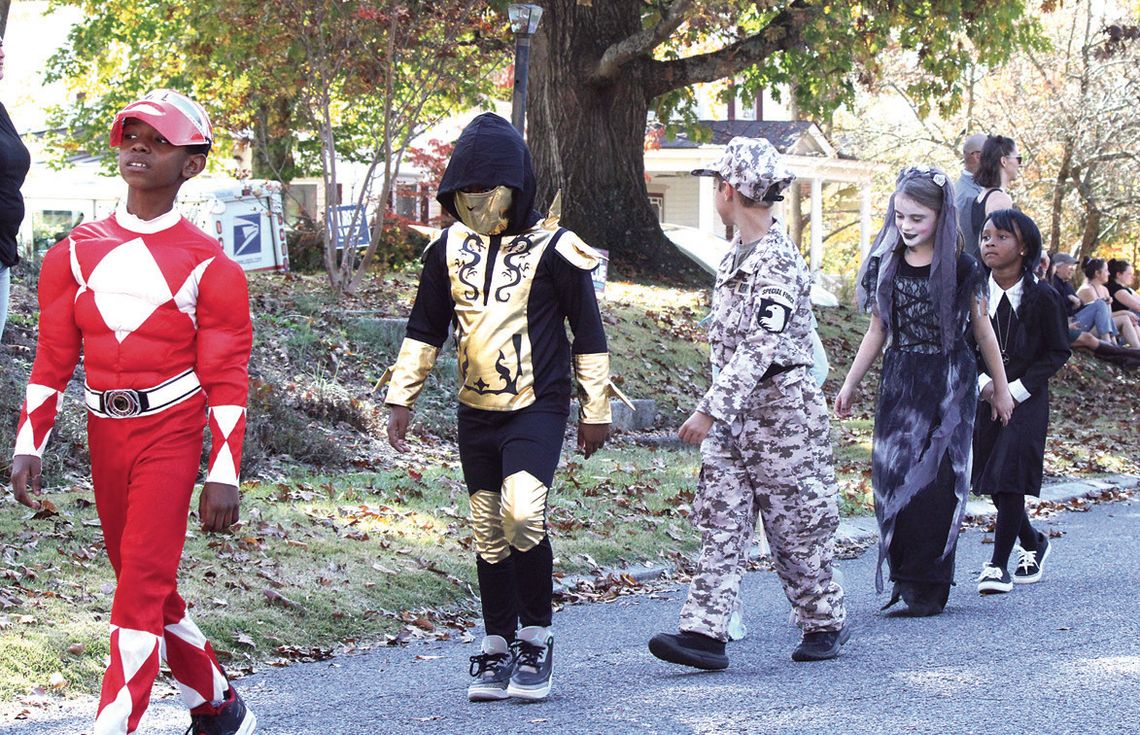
x: 524, y: 23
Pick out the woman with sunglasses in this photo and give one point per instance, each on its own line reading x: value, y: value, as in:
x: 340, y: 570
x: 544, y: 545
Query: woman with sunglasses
x: 1000, y: 166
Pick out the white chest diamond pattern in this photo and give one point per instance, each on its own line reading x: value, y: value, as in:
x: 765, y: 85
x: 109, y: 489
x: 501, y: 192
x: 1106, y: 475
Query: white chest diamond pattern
x: 128, y: 286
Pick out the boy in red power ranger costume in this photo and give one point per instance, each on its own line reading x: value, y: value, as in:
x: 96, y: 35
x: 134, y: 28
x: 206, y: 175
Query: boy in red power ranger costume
x: 162, y: 317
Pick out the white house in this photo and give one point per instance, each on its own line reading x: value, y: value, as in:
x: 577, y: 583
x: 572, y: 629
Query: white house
x: 679, y: 199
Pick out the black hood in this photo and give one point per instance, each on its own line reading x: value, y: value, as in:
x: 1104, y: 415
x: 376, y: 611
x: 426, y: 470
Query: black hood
x: 489, y: 153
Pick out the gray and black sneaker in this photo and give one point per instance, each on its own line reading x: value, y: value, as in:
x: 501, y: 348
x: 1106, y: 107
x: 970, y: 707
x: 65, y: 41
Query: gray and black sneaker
x: 1030, y: 563
x: 231, y: 717
x: 993, y: 580
x: 492, y: 670
x: 532, y: 676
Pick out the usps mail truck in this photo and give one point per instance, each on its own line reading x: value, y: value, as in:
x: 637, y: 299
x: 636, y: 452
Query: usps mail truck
x: 247, y: 217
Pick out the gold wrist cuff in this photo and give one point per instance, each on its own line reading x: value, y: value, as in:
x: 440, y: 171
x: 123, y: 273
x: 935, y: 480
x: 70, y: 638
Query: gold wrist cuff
x: 593, y: 373
x: 406, y: 378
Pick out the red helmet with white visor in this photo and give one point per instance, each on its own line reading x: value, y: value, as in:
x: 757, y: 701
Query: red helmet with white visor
x: 178, y: 118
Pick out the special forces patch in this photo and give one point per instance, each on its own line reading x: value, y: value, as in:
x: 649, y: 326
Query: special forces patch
x: 775, y: 308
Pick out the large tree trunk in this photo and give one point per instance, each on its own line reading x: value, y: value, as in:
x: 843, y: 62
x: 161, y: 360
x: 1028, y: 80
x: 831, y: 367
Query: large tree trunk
x: 588, y: 139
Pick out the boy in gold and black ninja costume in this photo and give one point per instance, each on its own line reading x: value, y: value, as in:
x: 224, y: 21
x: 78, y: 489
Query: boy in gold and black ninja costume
x: 508, y: 281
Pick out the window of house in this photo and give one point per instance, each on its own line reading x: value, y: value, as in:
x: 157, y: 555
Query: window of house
x: 407, y: 201
x: 657, y: 202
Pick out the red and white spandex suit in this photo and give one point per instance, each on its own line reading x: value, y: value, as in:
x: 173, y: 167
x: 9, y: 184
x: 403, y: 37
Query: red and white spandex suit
x: 157, y: 307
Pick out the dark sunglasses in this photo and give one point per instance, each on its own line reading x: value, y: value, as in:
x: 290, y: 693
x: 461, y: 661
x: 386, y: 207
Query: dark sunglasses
x: 1016, y: 157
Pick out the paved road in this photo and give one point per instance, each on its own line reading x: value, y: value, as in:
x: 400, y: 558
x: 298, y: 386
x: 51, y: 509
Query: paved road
x: 1062, y: 656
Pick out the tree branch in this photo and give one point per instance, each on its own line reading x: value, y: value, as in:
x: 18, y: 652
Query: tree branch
x: 642, y: 42
x: 782, y: 33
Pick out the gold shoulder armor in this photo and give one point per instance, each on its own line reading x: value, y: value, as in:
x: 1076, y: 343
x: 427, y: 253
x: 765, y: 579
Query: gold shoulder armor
x: 578, y: 253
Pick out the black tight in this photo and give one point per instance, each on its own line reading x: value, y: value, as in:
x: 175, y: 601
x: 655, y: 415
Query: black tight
x: 1012, y: 524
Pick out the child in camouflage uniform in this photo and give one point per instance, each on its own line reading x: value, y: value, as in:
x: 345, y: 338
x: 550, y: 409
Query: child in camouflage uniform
x: 762, y: 426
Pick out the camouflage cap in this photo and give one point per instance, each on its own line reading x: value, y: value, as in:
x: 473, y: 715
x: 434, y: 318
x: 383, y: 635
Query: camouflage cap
x: 751, y: 166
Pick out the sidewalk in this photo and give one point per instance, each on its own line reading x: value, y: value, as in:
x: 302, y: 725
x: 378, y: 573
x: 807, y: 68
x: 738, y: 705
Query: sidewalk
x: 863, y: 531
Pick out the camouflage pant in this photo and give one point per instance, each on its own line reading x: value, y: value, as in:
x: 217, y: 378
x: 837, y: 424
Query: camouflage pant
x: 773, y: 461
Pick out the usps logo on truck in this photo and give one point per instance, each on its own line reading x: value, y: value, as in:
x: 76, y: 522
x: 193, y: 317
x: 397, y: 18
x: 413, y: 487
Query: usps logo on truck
x: 247, y: 235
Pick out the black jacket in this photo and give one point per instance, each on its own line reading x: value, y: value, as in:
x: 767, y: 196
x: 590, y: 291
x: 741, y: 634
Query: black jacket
x: 1040, y: 343
x: 1010, y: 459
x: 14, y: 164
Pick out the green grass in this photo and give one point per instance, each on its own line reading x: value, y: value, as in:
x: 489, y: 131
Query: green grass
x: 357, y: 557
x: 657, y: 348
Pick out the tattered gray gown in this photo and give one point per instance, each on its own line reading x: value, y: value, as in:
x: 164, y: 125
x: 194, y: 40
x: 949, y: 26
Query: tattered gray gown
x: 924, y: 424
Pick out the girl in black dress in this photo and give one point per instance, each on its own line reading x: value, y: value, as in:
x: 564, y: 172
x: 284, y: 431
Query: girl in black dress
x: 1029, y: 320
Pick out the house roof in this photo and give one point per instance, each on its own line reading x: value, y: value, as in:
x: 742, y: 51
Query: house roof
x: 800, y: 137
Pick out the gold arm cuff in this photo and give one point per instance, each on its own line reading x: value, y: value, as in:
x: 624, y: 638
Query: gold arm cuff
x: 410, y: 371
x: 593, y: 373
x: 384, y: 379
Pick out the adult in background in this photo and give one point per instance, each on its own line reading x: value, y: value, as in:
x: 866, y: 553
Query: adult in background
x: 966, y: 190
x: 1125, y: 302
x: 1083, y: 317
x: 1096, y: 289
x: 14, y: 164
x: 999, y: 167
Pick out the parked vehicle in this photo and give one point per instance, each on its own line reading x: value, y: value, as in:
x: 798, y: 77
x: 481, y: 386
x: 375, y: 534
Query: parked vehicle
x: 247, y: 217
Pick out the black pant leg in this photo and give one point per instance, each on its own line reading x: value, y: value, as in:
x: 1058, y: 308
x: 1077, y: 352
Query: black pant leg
x: 1010, y: 519
x: 481, y: 459
x: 532, y: 443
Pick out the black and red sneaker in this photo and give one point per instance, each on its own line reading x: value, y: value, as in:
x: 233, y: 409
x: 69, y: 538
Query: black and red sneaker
x: 230, y: 717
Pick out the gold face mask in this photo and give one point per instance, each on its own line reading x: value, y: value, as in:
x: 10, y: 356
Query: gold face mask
x: 488, y: 212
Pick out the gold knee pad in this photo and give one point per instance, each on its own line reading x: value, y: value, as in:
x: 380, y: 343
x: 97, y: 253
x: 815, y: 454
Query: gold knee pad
x: 487, y: 525
x: 524, y: 510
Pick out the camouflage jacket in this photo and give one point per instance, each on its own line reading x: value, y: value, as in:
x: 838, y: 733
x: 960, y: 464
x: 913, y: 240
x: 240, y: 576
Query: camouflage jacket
x: 761, y: 316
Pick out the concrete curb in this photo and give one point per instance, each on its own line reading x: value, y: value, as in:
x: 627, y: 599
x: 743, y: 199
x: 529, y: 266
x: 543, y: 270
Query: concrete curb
x: 863, y: 530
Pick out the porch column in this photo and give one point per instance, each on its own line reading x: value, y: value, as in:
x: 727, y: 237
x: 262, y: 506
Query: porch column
x: 706, y: 205
x: 864, y: 218
x: 816, y: 224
